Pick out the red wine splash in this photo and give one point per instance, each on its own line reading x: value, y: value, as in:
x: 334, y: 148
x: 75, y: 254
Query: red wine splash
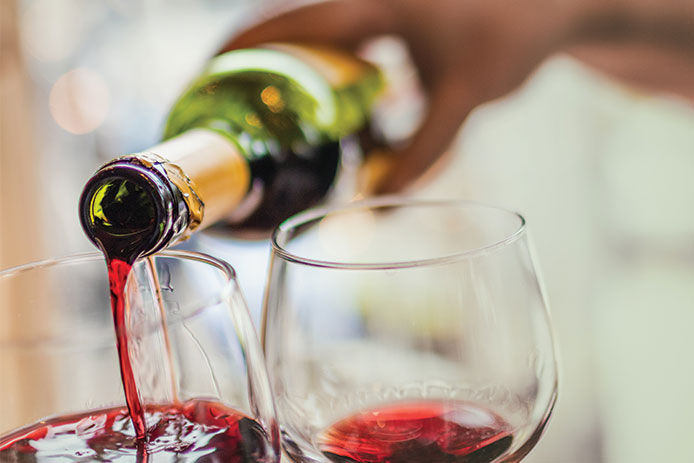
x: 423, y: 431
x: 196, y: 431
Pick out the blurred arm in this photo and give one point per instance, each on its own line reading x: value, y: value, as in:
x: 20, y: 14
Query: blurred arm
x: 469, y: 52
x: 644, y: 42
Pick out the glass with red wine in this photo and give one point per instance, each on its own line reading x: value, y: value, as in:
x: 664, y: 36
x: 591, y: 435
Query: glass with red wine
x: 194, y: 365
x: 408, y: 331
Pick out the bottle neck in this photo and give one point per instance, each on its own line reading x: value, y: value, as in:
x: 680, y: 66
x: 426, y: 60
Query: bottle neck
x: 141, y: 203
x: 209, y: 170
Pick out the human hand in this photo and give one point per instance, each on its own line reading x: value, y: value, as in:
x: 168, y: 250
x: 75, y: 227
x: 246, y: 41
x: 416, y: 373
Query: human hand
x: 466, y: 52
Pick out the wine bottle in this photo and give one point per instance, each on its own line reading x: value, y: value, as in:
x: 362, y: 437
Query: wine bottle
x: 255, y: 138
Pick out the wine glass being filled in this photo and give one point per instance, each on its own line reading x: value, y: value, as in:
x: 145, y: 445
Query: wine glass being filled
x: 195, y: 388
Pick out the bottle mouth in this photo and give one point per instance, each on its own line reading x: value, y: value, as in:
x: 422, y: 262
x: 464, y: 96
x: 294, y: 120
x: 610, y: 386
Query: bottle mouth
x: 127, y: 209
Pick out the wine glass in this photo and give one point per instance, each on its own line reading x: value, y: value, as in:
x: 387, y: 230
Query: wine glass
x: 411, y: 331
x: 197, y: 361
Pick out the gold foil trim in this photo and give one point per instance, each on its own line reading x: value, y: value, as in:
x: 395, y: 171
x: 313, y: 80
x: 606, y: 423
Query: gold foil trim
x: 196, y: 207
x: 188, y: 189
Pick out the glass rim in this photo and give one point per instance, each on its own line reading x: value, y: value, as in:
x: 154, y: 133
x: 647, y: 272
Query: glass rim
x: 227, y: 287
x: 194, y: 256
x: 315, y: 213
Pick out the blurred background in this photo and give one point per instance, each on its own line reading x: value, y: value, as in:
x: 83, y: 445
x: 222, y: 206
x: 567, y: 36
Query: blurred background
x: 602, y: 172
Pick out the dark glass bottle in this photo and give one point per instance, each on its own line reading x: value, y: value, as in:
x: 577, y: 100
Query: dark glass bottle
x: 254, y: 139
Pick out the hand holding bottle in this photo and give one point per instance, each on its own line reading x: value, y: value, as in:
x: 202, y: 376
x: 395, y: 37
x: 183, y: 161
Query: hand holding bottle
x: 471, y: 52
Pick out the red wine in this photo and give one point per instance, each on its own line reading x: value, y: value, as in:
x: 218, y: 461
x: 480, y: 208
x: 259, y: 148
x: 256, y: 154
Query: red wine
x: 195, y: 431
x: 124, y: 235
x: 418, y: 432
x: 118, y: 272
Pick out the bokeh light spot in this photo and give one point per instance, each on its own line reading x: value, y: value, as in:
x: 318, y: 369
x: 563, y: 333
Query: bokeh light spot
x: 79, y: 101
